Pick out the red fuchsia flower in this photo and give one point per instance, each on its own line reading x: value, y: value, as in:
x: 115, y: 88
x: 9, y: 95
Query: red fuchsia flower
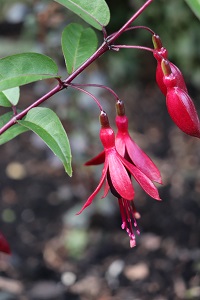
x: 179, y: 104
x: 116, y: 175
x: 130, y: 150
x: 4, y: 246
x: 159, y: 53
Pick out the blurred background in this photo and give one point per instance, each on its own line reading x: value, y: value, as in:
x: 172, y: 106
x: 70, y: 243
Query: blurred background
x: 58, y: 255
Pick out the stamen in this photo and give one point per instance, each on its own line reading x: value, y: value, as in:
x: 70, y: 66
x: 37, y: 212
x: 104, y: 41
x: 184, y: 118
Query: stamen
x: 129, y: 215
x: 132, y: 243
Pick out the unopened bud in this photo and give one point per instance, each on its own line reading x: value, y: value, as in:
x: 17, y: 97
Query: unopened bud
x: 157, y: 43
x: 103, y: 119
x: 120, y: 108
x: 182, y: 111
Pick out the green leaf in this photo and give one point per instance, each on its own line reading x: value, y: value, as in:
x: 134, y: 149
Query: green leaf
x: 4, y: 100
x: 78, y: 44
x: 195, y: 7
x: 46, y: 124
x: 11, y: 96
x: 13, y: 131
x: 94, y: 12
x: 20, y: 69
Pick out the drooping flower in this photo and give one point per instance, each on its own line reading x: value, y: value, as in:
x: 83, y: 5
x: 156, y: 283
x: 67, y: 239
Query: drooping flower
x: 179, y: 104
x: 116, y: 175
x: 159, y: 53
x: 4, y: 246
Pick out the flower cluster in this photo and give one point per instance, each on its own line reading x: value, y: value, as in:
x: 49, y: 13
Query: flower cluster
x: 123, y: 160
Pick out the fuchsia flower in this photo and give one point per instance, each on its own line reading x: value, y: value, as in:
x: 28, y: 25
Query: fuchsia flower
x: 159, y: 53
x: 4, y: 246
x: 116, y: 175
x: 179, y: 104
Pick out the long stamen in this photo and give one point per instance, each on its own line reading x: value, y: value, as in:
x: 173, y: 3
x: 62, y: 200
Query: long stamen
x: 129, y: 215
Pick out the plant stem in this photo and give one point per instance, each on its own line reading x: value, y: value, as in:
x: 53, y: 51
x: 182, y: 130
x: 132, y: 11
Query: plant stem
x: 117, y: 47
x: 100, y: 51
x: 128, y: 23
x: 140, y: 27
x: 99, y: 86
x: 20, y: 115
x: 106, y: 45
x: 87, y: 93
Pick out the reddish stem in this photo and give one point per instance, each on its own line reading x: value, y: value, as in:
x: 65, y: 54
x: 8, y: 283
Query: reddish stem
x: 128, y: 23
x: 117, y: 47
x: 140, y: 27
x: 20, y: 115
x: 97, y: 85
x: 137, y: 27
x: 106, y: 45
x: 88, y: 93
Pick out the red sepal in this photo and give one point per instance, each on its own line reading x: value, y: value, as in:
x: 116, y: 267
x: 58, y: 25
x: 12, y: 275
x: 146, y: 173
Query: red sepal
x: 4, y: 246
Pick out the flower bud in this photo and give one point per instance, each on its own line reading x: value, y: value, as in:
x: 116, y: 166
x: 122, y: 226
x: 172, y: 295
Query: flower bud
x: 182, y: 111
x: 169, y: 78
x: 103, y: 119
x: 179, y: 104
x: 120, y: 109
